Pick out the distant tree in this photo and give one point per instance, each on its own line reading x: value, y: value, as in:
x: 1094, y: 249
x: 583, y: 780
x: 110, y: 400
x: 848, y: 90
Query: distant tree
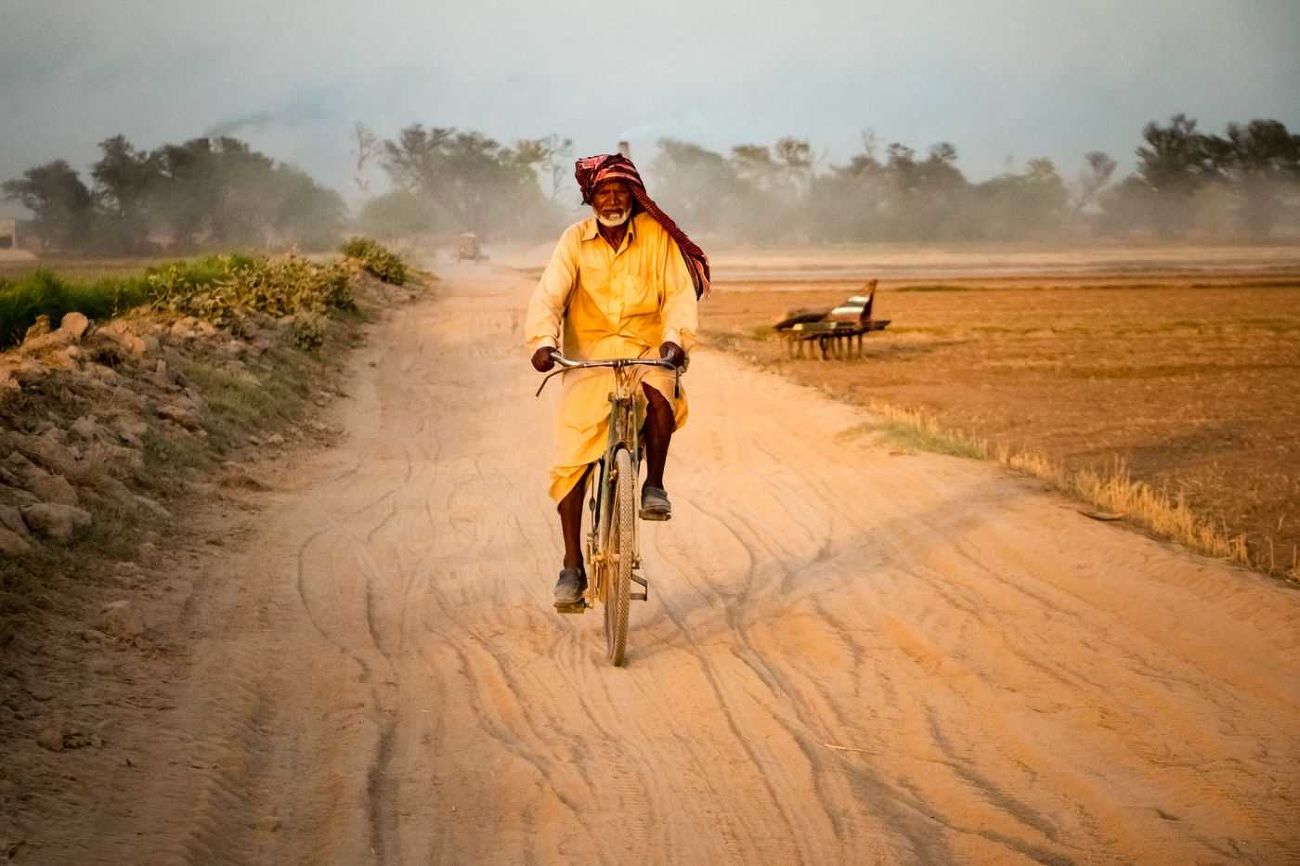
x: 187, y: 190
x: 366, y: 147
x: 396, y: 214
x: 849, y: 202
x: 754, y: 166
x: 557, y: 163
x: 1129, y: 206
x: 125, y: 181
x: 927, y: 198
x: 1015, y: 205
x: 302, y: 212
x: 770, y: 188
x: 696, y: 185
x: 62, y: 206
x: 471, y: 181
x: 1098, y: 170
x: 795, y: 157
x: 1174, y: 163
x: 1263, y: 159
x: 221, y: 192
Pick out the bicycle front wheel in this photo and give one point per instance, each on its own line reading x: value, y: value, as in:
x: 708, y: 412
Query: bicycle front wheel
x: 622, y: 551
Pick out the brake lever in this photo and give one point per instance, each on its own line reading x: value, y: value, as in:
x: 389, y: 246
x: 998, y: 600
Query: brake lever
x: 548, y: 378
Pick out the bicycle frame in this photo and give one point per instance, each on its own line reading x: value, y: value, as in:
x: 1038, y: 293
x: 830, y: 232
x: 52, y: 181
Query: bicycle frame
x: 624, y: 433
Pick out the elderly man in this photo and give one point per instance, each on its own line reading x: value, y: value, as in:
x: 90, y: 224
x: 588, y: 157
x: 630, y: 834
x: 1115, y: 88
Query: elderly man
x: 622, y: 283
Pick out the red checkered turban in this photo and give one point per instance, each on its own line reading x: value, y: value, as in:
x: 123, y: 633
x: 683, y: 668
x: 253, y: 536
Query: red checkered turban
x: 591, y: 170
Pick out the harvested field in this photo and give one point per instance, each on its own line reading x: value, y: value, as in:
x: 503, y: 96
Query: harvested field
x: 1190, y: 381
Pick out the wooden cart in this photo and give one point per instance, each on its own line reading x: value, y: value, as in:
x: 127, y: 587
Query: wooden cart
x: 835, y: 333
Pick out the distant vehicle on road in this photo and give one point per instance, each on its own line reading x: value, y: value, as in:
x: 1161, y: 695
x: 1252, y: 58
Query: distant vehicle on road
x: 469, y: 247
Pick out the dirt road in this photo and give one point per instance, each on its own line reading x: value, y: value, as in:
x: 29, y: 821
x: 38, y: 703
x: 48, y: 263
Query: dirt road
x: 849, y: 656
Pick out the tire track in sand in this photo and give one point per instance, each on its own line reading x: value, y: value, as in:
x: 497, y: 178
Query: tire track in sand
x: 847, y: 657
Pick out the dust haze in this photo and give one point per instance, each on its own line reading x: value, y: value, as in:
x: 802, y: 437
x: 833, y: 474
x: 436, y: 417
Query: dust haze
x: 834, y: 122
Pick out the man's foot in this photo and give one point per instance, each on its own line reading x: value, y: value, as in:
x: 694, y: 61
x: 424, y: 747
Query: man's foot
x: 655, y: 504
x: 570, y: 586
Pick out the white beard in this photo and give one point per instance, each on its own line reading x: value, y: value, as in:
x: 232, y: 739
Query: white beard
x: 614, y: 221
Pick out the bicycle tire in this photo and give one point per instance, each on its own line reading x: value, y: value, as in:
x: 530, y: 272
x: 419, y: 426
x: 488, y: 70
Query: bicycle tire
x: 622, y: 534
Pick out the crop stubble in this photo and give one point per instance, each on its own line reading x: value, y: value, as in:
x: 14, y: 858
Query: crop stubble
x: 1192, y: 383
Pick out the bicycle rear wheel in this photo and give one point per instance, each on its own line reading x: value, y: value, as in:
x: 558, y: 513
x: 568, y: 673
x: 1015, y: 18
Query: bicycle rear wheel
x: 621, y: 550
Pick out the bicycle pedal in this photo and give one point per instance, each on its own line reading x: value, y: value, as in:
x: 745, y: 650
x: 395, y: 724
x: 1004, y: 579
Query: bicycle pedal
x: 571, y: 607
x: 640, y: 596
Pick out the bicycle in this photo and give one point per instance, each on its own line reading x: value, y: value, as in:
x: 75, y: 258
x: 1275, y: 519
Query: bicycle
x: 613, y: 552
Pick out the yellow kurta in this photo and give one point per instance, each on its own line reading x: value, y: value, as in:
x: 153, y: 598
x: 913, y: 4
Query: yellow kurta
x: 608, y: 304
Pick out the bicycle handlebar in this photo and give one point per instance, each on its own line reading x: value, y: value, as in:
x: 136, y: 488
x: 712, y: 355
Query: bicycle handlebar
x: 567, y: 364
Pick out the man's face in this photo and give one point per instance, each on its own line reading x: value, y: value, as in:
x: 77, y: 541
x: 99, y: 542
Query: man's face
x: 612, y: 202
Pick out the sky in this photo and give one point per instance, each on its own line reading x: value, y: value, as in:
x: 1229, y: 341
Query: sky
x: 1002, y: 80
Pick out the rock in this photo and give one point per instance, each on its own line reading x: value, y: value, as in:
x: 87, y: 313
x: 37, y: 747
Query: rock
x: 44, y: 485
x: 50, y: 488
x: 120, y: 620
x: 53, y: 488
x: 130, y: 430
x: 49, y: 452
x: 56, y: 521
x: 121, y: 334
x: 51, y: 738
x: 102, y: 373
x: 12, y: 519
x: 182, y: 412
x: 74, y: 325
x: 235, y: 348
x: 39, y: 328
x: 275, y: 439
x: 268, y: 824
x: 12, y: 544
x: 153, y: 507
x: 44, y: 343
x: 113, y: 489
x: 188, y: 328
x: 115, y: 459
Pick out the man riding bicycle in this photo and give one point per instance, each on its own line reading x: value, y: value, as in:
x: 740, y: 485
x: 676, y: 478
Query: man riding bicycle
x: 622, y: 283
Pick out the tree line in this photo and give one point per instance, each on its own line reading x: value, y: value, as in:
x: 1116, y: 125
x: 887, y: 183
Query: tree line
x: 205, y: 193
x: 219, y: 192
x: 1243, y: 183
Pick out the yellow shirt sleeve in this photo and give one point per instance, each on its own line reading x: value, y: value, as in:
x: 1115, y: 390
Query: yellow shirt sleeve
x: 681, y: 309
x: 546, y: 307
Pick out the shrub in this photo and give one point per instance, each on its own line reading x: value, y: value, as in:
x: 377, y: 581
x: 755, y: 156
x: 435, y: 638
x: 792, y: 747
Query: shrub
x: 241, y: 287
x: 221, y: 289
x: 377, y: 260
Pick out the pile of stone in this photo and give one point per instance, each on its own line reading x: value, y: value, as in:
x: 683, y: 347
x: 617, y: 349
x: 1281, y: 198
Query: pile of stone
x: 79, y: 403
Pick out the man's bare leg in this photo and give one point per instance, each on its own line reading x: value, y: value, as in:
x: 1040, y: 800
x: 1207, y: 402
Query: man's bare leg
x: 570, y: 509
x: 660, y: 422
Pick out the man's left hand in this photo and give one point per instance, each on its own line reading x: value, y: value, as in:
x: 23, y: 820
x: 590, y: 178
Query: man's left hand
x: 673, y: 354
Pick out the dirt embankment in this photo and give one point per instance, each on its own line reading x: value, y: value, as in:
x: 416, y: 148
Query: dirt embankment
x: 115, y: 438
x: 848, y: 656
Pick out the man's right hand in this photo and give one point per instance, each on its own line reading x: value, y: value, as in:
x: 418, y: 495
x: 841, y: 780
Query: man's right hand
x: 544, y: 358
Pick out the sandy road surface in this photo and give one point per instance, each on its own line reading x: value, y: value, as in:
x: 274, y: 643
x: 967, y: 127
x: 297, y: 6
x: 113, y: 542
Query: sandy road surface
x: 849, y: 656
